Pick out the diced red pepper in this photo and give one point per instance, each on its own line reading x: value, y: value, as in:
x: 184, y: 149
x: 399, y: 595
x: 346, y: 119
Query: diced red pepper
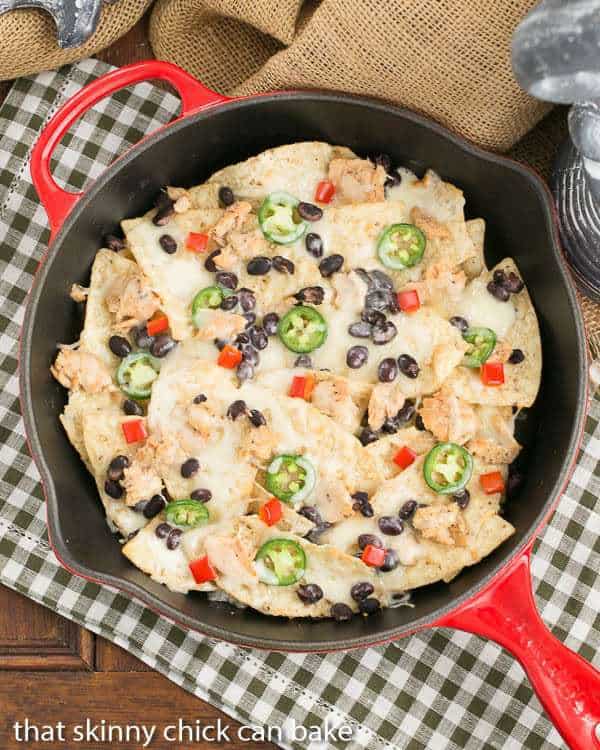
x: 373, y: 556
x: 271, y: 512
x: 492, y: 482
x: 202, y: 570
x: 134, y: 430
x: 157, y: 325
x: 405, y: 457
x: 409, y: 301
x: 302, y: 386
x: 492, y: 373
x: 197, y: 242
x: 325, y: 191
x: 229, y: 357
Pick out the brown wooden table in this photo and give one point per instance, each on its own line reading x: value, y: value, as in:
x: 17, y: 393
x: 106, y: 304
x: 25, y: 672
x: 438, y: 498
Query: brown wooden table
x: 51, y: 669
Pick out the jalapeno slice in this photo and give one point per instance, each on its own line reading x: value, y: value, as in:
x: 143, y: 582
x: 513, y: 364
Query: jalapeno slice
x: 280, y: 562
x: 302, y: 329
x: 482, y: 342
x: 136, y: 374
x: 209, y: 298
x: 401, y: 246
x: 290, y: 478
x: 279, y: 218
x: 447, y: 468
x: 187, y: 513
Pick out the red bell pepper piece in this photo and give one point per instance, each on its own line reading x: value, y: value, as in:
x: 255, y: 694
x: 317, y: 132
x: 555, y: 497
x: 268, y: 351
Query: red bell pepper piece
x: 134, y: 430
x: 409, y: 301
x: 492, y: 373
x: 202, y: 570
x: 229, y: 357
x: 405, y: 457
x: 302, y: 386
x: 271, y: 512
x: 492, y: 482
x: 373, y: 556
x: 197, y: 242
x: 157, y: 325
x: 325, y: 191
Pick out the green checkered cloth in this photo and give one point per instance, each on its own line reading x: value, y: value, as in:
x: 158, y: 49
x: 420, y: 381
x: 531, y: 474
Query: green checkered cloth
x: 438, y: 689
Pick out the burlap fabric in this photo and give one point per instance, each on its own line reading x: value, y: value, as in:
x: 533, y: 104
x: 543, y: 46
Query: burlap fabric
x: 447, y: 58
x: 28, y: 37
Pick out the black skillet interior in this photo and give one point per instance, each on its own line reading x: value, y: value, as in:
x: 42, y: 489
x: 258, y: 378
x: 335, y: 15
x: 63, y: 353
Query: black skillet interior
x: 519, y: 223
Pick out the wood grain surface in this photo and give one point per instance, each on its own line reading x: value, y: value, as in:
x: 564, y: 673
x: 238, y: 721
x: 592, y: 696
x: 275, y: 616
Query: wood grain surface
x: 52, y: 670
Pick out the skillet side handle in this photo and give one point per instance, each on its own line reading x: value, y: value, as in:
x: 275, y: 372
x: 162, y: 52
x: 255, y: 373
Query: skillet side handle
x: 566, y: 684
x: 58, y: 202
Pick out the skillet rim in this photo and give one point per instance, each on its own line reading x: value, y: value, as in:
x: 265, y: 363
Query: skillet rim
x: 153, y: 601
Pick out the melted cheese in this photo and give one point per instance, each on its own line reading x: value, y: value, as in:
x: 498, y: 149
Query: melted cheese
x: 481, y: 309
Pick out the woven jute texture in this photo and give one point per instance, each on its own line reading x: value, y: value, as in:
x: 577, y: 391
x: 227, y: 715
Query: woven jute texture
x: 29, y: 37
x: 447, y: 58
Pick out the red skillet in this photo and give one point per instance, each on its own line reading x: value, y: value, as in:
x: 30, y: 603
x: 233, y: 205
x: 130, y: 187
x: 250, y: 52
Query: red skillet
x: 493, y: 599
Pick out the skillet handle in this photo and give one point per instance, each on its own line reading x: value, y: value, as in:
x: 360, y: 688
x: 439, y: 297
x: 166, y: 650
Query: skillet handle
x: 58, y: 202
x: 568, y: 686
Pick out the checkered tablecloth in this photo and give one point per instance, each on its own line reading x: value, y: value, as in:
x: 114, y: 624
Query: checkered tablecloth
x: 438, y: 689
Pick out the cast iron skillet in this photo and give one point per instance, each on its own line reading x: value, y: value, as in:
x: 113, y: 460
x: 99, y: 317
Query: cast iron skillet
x: 493, y: 598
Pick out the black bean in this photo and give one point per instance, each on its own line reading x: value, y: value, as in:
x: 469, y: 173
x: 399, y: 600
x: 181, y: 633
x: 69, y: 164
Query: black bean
x: 139, y: 506
x: 390, y: 561
x: 309, y: 212
x: 390, y: 426
x: 462, y: 498
x: 309, y: 593
x: 314, y: 244
x: 154, y: 506
x: 514, y: 482
x: 247, y: 299
x: 377, y: 300
x: 199, y: 399
x: 141, y: 337
x: 408, y: 509
x: 202, y: 495
x: 226, y: 196
x: 236, y: 409
x: 132, y: 408
x: 249, y: 354
x: 357, y: 356
x: 406, y: 413
x: 513, y: 283
x: 190, y: 467
x: 384, y: 333
x: 168, y: 244
x: 459, y: 323
x: 419, y: 424
x: 365, y: 539
x: 393, y: 304
x: 227, y: 279
x: 374, y: 317
x: 257, y: 418
x: 283, y: 265
x: 229, y: 303
x: 220, y: 343
x: 390, y: 525
x: 112, y: 242
x: 341, y: 612
x: 250, y: 318
x: 369, y: 606
x: 368, y: 436
x: 362, y: 504
x: 408, y: 366
x: 387, y: 370
x: 383, y: 160
x: 311, y: 513
x: 162, y: 530
x: 516, y: 357
x: 259, y: 338
x: 360, y: 330
x: 116, y: 467
x: 303, y: 360
x: 165, y: 210
x: 331, y: 264
x: 113, y: 489
x: 381, y: 280
x: 162, y: 345
x: 174, y: 538
x: 259, y: 266
x: 270, y: 322
x: 311, y: 294
x: 314, y: 534
x: 245, y: 371
x: 119, y: 346
x: 209, y: 263
x: 361, y: 590
x: 497, y: 291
